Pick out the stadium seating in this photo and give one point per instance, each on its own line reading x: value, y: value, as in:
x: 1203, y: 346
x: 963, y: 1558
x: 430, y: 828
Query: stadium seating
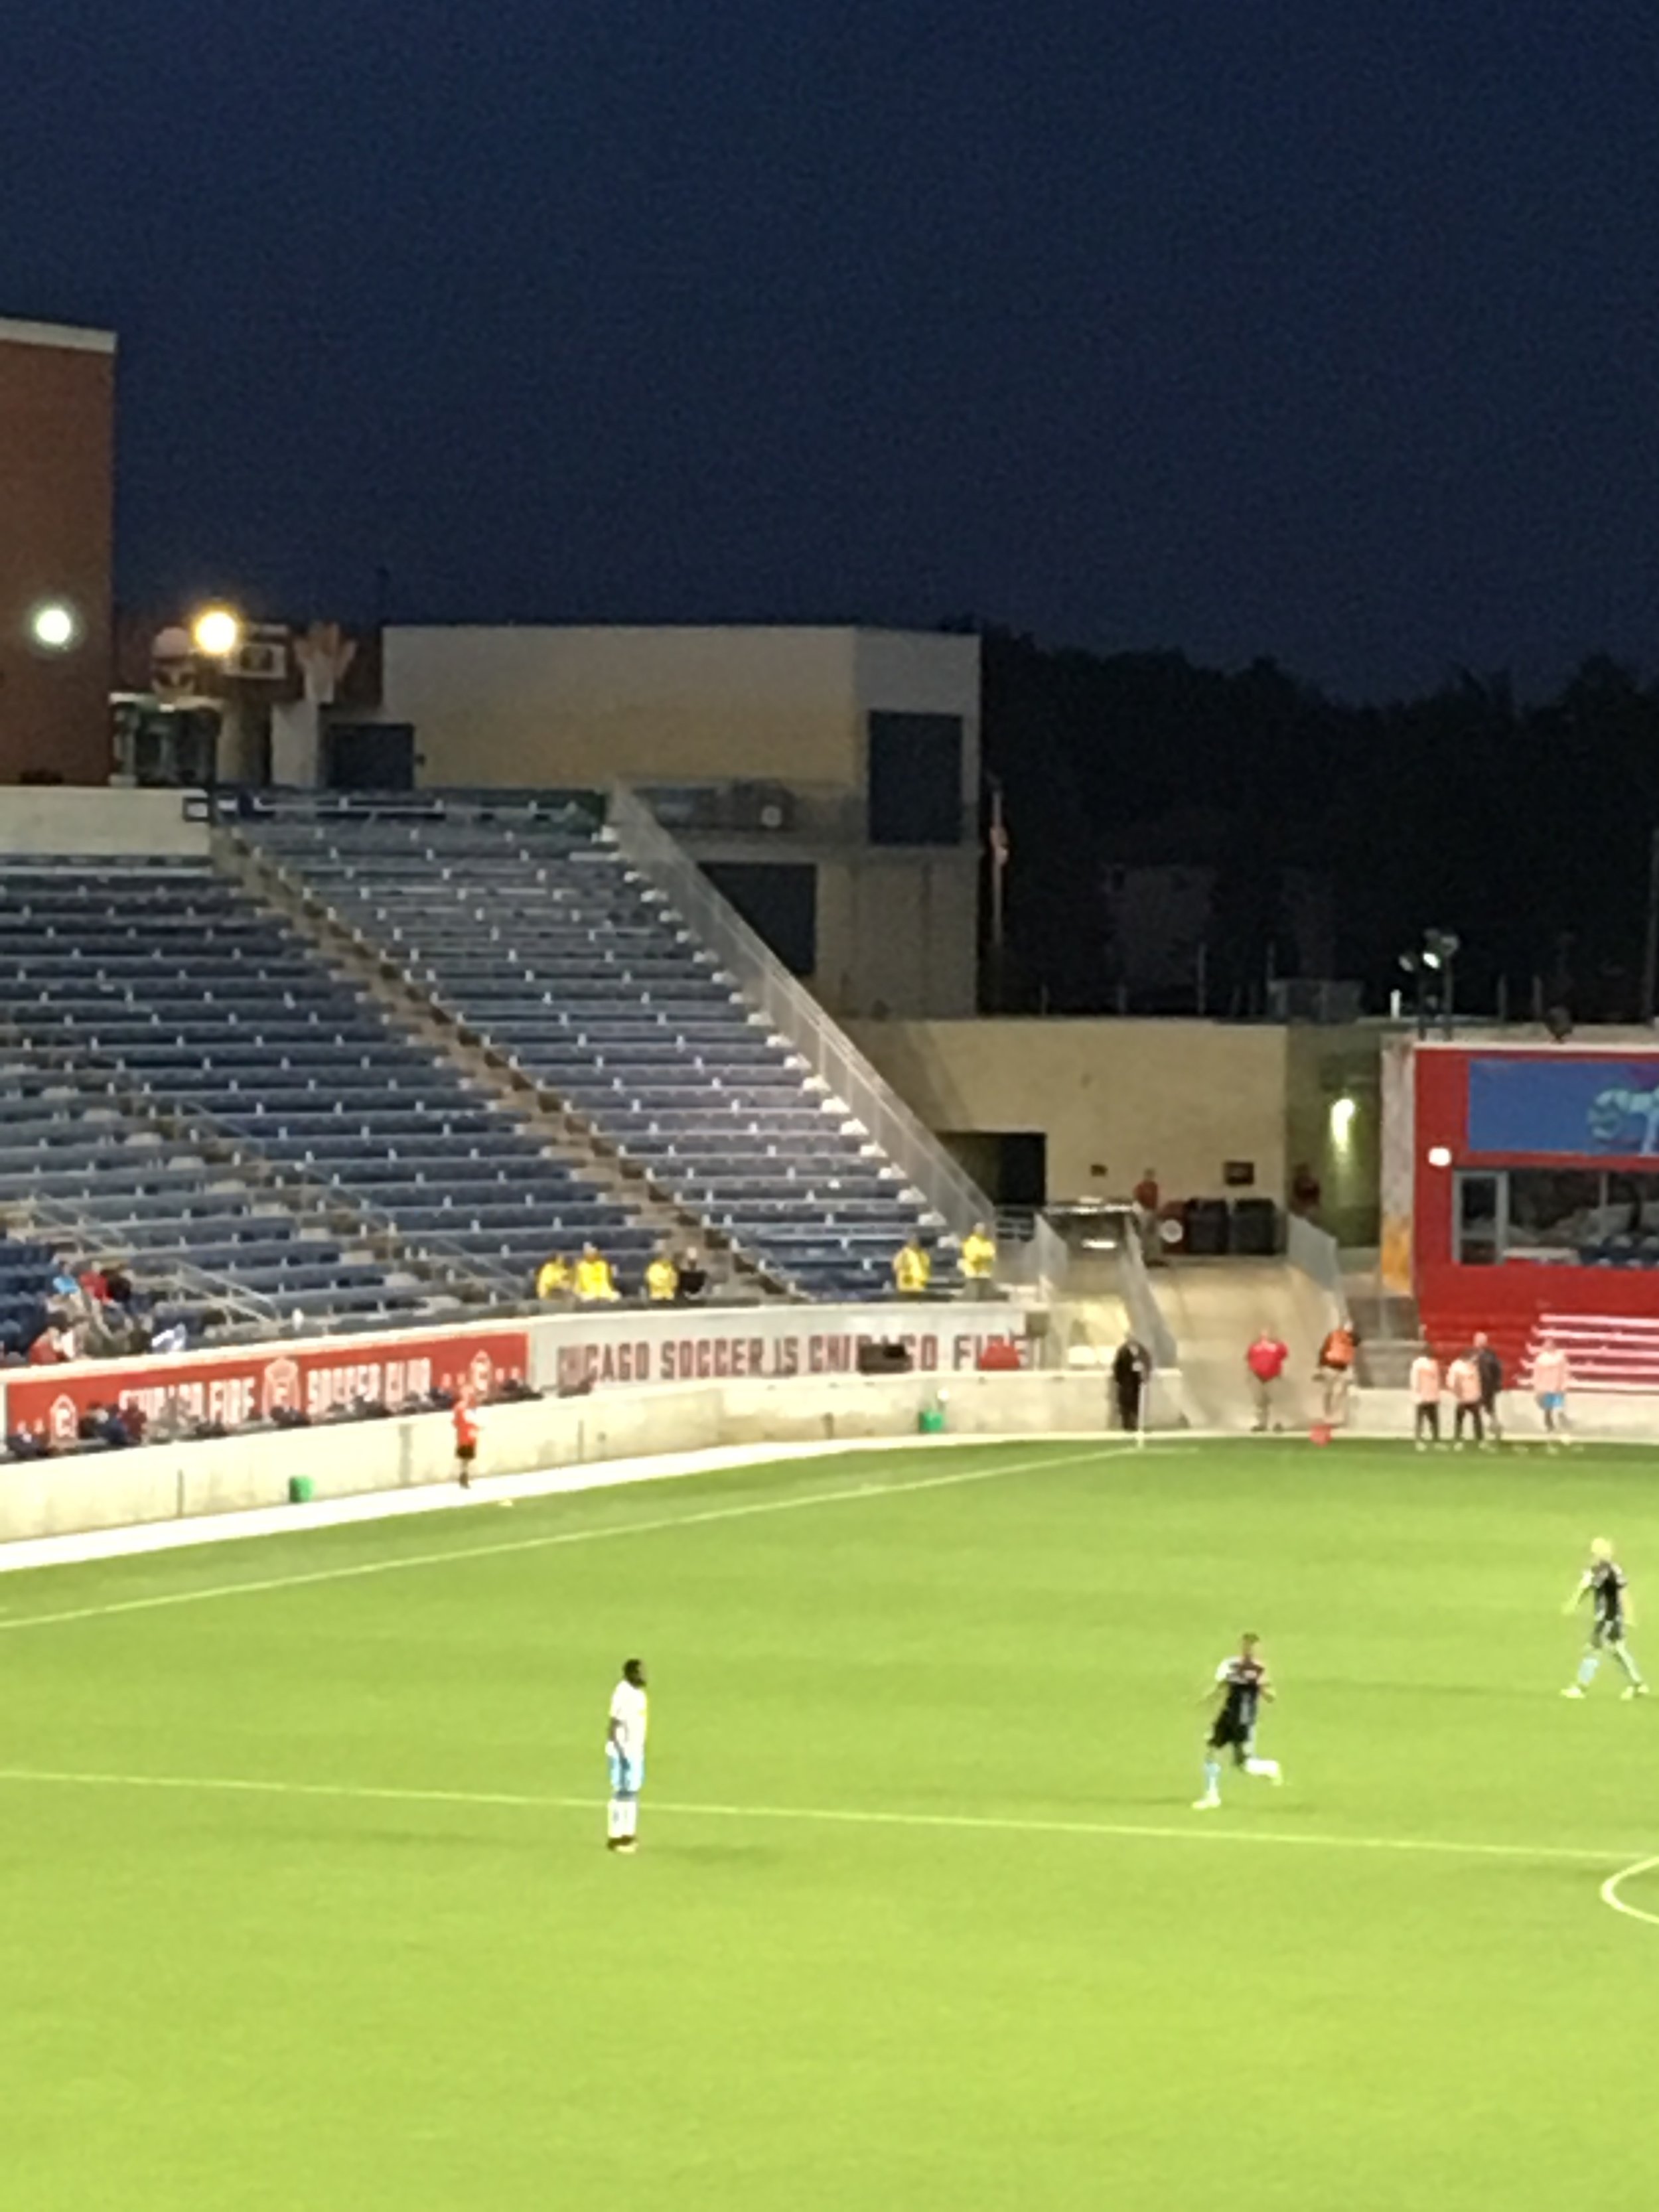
x: 27, y: 1270
x: 165, y: 975
x: 524, y: 920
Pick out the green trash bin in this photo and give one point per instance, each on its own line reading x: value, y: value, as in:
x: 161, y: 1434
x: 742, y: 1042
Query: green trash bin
x: 301, y: 1490
x: 930, y: 1420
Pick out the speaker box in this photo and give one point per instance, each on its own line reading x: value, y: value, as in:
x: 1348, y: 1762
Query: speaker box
x: 1208, y: 1227
x: 1254, y: 1228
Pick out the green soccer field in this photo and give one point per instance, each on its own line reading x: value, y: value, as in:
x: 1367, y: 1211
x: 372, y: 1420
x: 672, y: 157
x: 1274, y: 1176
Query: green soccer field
x: 306, y: 1900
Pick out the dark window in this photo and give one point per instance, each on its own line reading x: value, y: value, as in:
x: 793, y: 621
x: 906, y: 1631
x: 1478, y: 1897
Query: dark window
x: 1010, y: 1166
x: 778, y: 900
x: 916, y: 779
x: 371, y: 756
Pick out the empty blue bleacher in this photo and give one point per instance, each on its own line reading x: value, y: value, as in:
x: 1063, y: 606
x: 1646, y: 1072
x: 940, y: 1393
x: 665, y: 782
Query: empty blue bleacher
x: 526, y: 920
x: 169, y: 976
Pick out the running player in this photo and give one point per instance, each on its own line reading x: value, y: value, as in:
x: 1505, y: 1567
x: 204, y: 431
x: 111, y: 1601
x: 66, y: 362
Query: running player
x: 624, y: 1751
x: 1611, y: 1613
x: 1240, y: 1683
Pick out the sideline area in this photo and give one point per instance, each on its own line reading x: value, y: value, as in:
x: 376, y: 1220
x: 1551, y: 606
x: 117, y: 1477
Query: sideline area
x: 505, y: 1490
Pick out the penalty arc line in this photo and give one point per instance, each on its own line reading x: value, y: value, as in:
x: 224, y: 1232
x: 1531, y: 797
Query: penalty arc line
x: 1610, y: 1889
x: 849, y: 1493
x: 846, y: 1816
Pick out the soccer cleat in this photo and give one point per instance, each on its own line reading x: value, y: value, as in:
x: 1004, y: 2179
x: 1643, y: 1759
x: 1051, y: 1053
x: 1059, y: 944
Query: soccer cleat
x: 1572, y: 1690
x: 1207, y: 1804
x: 1636, y: 1690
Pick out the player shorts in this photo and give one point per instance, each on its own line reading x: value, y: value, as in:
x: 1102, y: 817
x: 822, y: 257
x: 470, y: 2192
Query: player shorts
x: 1231, y: 1736
x: 627, y: 1775
x: 1551, y: 1401
x: 1608, y: 1630
x: 466, y: 1454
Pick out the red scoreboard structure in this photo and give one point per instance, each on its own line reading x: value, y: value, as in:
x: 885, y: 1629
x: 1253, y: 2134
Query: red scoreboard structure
x: 1520, y: 1196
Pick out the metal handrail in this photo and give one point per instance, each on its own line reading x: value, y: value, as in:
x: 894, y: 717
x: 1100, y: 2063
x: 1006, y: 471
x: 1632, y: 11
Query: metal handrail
x: 169, y: 1279
x: 866, y: 1096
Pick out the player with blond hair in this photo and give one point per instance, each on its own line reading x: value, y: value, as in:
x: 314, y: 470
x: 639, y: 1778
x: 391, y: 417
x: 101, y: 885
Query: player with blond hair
x: 1611, y: 1613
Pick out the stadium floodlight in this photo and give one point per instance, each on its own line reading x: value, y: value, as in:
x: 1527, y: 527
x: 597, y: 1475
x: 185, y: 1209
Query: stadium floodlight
x: 216, y: 632
x: 1440, y: 1156
x: 54, y: 626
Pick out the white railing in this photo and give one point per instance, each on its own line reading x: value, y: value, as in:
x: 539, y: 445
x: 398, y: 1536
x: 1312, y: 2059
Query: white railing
x: 1317, y: 1255
x: 764, y: 980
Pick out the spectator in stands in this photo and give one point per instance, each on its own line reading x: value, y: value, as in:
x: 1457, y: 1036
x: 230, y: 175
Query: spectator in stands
x: 693, y: 1275
x: 596, y: 1285
x: 1425, y: 1400
x: 1490, y: 1368
x: 913, y: 1270
x: 1463, y: 1381
x: 1334, y: 1371
x: 1132, y: 1367
x: 96, y: 1283
x: 978, y: 1261
x: 553, y: 1277
x: 662, y: 1280
x: 1266, y: 1360
x: 53, y: 1344
x: 1147, y: 1199
x: 1550, y: 1380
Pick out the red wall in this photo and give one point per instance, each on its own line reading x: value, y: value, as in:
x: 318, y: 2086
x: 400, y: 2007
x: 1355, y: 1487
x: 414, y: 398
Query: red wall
x: 1454, y: 1301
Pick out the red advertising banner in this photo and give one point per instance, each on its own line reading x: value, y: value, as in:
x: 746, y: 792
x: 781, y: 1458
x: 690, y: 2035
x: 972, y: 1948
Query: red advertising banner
x: 255, y: 1381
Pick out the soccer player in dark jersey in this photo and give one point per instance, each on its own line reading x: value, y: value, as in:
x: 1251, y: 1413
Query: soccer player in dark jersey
x: 1240, y: 1683
x: 1611, y: 1613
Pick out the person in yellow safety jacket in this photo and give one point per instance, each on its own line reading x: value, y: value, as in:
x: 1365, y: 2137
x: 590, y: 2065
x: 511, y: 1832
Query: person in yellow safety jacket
x: 595, y: 1284
x: 979, y: 1260
x: 553, y: 1277
x: 662, y: 1280
x: 912, y: 1269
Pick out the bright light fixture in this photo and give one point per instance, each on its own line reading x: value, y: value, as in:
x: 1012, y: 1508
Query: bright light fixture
x: 1439, y: 1156
x: 55, y: 626
x: 1342, y: 1113
x: 216, y: 632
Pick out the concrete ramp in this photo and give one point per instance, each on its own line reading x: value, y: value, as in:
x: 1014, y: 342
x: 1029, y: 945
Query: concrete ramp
x: 1215, y: 1307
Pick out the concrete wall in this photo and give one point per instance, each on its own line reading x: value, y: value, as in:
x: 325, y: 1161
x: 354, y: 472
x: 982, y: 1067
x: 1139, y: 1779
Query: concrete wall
x: 534, y: 705
x: 898, y: 934
x: 167, y: 1482
x: 154, y: 823
x: 1113, y: 1097
x: 57, y: 503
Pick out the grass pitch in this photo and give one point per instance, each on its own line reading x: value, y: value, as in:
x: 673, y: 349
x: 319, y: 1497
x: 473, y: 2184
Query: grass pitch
x: 921, y: 1916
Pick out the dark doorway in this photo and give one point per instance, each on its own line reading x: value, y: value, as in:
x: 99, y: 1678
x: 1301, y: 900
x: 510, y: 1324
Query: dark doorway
x: 778, y: 900
x: 371, y: 756
x: 1010, y: 1166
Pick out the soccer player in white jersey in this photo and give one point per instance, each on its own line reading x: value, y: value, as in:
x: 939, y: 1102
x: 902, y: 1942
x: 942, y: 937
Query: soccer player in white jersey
x: 624, y: 1751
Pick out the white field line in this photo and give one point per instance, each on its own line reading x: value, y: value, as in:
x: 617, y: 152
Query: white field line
x: 849, y: 1493
x: 1610, y: 1891
x: 1205, y: 1831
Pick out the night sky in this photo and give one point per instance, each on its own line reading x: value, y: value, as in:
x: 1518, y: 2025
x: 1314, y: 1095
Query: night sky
x: 1310, y: 330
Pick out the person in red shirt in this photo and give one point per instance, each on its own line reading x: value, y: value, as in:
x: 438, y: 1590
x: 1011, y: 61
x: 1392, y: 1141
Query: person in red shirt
x: 47, y: 1348
x: 465, y: 1417
x: 1266, y: 1360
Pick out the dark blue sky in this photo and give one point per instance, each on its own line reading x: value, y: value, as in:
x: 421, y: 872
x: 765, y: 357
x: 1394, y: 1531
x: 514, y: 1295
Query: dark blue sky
x: 1321, y: 331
